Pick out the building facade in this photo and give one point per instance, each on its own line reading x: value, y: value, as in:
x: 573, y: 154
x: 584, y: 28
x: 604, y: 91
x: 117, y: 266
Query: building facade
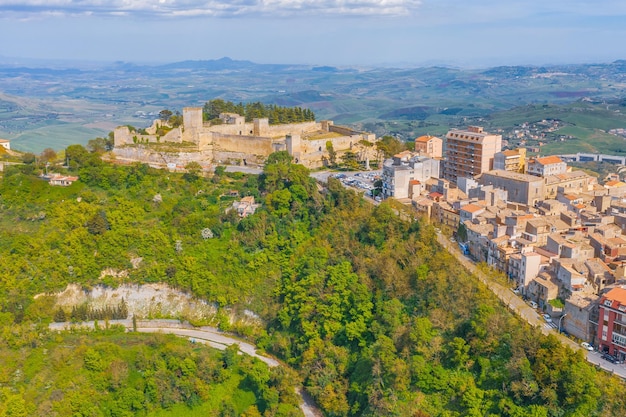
x: 404, y: 175
x: 430, y: 146
x: 513, y: 160
x: 611, y: 335
x: 521, y: 188
x: 470, y: 152
x: 548, y: 165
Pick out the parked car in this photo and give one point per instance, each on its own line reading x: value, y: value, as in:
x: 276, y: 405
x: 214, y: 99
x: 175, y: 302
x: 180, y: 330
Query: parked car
x: 533, y: 304
x: 611, y: 358
x: 586, y: 345
x: 515, y: 290
x: 547, y: 318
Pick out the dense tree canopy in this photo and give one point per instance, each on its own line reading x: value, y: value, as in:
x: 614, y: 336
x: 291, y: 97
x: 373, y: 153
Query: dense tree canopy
x: 374, y: 315
x: 275, y: 114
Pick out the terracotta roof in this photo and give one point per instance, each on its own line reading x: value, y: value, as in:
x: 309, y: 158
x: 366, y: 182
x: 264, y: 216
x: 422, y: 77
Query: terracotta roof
x: 614, y: 184
x: 414, y: 182
x: 511, y: 152
x: 435, y: 194
x: 616, y: 294
x: 546, y: 160
x: 425, y: 138
x: 63, y: 178
x: 472, y: 208
x: 4, y: 141
x: 402, y: 154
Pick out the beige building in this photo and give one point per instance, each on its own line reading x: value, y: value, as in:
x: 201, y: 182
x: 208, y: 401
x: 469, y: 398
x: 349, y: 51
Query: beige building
x: 430, y: 146
x: 521, y: 188
x: 470, y: 152
x: 513, y: 160
x: 569, y: 182
x: 548, y: 165
x: 5, y: 144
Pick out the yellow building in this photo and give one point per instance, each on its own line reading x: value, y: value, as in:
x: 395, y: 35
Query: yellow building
x: 513, y: 160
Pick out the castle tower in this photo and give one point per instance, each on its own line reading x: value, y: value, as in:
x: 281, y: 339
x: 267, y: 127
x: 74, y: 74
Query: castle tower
x: 326, y: 124
x: 121, y: 136
x: 192, y: 124
x: 294, y: 146
x: 261, y: 126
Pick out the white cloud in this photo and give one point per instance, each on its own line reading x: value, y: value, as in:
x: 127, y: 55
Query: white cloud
x: 212, y: 8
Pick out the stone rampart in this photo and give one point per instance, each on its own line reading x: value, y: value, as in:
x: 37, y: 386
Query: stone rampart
x: 123, y: 136
x: 162, y: 158
x: 345, y: 131
x: 243, y: 144
x: 342, y: 143
x: 296, y: 128
x: 228, y: 129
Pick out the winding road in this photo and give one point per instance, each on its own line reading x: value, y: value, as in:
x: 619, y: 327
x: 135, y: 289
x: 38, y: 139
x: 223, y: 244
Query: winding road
x: 210, y: 336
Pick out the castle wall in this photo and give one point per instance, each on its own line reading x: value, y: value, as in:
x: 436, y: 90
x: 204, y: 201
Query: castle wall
x: 162, y: 159
x: 295, y: 128
x: 174, y: 135
x: 123, y: 136
x: 345, y: 131
x: 246, y: 144
x: 342, y: 143
x: 227, y: 129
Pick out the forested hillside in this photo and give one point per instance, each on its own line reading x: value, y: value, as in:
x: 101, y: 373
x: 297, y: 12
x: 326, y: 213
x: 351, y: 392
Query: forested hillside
x: 377, y: 319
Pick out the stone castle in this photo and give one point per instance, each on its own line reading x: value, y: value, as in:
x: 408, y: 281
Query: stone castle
x: 234, y: 141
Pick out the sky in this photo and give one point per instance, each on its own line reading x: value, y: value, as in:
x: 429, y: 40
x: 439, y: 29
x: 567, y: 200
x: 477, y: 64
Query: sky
x: 463, y: 33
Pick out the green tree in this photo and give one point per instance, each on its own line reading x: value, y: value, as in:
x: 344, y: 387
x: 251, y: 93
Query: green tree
x: 332, y: 154
x: 194, y: 170
x: 98, y: 145
x: 29, y: 158
x: 98, y: 224
x: 165, y: 115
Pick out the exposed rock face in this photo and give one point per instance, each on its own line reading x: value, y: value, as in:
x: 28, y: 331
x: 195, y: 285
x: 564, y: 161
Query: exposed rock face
x: 145, y: 301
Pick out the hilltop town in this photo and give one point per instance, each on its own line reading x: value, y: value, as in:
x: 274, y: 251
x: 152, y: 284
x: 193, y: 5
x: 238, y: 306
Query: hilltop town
x: 556, y: 233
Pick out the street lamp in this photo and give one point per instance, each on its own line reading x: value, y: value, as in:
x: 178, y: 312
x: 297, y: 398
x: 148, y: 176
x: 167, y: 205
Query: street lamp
x: 560, y: 319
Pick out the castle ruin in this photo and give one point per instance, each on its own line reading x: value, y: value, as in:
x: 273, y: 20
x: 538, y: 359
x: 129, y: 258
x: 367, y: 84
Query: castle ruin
x: 234, y: 141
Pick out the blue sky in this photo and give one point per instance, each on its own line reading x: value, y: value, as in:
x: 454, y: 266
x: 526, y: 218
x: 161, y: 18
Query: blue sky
x: 470, y: 33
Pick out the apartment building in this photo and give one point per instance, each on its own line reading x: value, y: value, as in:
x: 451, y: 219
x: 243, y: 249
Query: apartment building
x: 612, y: 324
x: 405, y: 174
x: 469, y: 152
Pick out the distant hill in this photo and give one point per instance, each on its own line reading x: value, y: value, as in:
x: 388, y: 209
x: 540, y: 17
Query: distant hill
x: 50, y: 107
